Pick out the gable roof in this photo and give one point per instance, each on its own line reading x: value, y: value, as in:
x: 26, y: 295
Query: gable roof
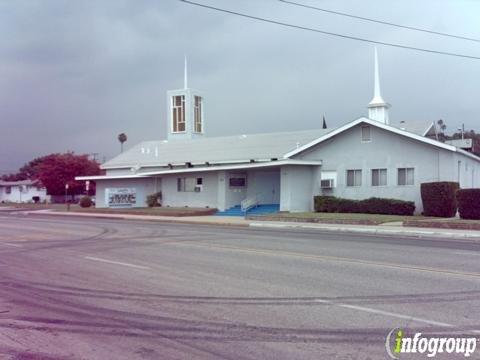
x: 422, y: 128
x: 214, y: 150
x: 383, y: 126
x: 21, y: 183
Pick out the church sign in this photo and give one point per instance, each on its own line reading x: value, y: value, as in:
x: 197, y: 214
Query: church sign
x: 120, y: 197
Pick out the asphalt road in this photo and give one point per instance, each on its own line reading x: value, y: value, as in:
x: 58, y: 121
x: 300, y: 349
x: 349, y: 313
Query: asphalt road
x: 106, y: 289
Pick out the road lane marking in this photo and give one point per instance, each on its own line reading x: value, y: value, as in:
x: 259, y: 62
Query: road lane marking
x: 330, y: 258
x: 391, y: 314
x: 466, y: 253
x: 117, y: 263
x: 8, y: 244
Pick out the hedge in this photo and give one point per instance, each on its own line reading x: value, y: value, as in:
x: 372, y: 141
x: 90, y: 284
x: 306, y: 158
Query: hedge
x: 154, y: 199
x: 439, y: 198
x: 85, y: 202
x: 372, y: 205
x: 469, y: 203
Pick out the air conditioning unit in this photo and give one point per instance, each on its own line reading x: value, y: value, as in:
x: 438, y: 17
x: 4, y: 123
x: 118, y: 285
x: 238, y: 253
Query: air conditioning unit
x: 198, y: 188
x: 326, y: 184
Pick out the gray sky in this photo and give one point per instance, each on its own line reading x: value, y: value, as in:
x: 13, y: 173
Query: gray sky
x: 74, y: 74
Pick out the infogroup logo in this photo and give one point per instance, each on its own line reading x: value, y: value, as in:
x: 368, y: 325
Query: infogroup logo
x: 398, y: 343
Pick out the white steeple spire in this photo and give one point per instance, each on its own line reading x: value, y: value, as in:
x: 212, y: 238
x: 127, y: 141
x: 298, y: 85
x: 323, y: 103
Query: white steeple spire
x: 185, y: 78
x: 378, y: 108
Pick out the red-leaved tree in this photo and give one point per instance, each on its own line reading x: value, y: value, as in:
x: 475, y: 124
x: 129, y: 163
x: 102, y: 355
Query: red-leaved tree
x: 56, y: 170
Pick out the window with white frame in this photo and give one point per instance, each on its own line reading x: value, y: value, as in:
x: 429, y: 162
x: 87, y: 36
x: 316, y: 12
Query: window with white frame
x: 406, y: 176
x: 198, y: 114
x: 354, y: 177
x: 366, y: 134
x: 178, y: 113
x: 189, y: 184
x: 379, y: 177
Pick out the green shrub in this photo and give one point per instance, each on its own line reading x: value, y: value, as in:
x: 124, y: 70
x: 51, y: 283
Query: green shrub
x: 469, y: 203
x: 154, y: 199
x: 439, y: 198
x: 85, y: 202
x: 333, y: 204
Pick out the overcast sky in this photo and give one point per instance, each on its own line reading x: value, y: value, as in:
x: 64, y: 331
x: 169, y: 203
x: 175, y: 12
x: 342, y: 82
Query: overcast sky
x: 74, y: 74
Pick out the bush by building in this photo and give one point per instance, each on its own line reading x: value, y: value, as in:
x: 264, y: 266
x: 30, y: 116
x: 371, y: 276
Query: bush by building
x: 85, y: 202
x: 372, y: 205
x: 469, y: 203
x: 154, y: 199
x: 439, y: 198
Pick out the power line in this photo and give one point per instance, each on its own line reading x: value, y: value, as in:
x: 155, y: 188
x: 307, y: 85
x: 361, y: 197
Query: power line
x: 379, y: 21
x: 327, y: 32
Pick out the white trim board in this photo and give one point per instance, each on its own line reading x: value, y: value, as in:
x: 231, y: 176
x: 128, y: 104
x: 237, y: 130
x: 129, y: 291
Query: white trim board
x: 384, y: 127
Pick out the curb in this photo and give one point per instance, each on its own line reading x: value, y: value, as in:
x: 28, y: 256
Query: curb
x: 375, y: 231
x: 110, y: 217
x: 372, y: 230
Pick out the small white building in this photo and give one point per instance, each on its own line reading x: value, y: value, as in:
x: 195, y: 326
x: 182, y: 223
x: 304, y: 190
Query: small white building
x: 366, y: 157
x: 24, y: 191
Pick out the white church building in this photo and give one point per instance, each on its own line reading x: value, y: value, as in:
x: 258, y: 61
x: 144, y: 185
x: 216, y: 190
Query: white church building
x: 366, y: 157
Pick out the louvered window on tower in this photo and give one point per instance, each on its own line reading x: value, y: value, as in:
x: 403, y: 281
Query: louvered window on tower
x: 198, y: 114
x: 178, y: 113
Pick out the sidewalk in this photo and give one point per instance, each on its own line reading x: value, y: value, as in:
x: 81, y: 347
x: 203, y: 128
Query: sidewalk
x: 392, y: 229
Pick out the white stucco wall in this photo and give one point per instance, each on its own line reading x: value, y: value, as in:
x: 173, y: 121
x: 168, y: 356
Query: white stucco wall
x: 143, y: 186
x: 26, y: 196
x: 265, y: 185
x: 387, y: 150
x: 297, y: 187
x: 205, y: 198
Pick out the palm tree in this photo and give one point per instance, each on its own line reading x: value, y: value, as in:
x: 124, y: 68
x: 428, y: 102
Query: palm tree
x: 122, y: 138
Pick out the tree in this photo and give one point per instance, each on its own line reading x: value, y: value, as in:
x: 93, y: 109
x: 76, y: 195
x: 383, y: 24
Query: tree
x: 442, y: 126
x: 56, y: 170
x: 122, y: 138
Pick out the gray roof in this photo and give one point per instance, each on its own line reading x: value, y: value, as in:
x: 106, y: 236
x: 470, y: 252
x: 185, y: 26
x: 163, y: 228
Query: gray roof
x: 226, y: 149
x: 20, y: 182
x: 215, y: 149
x: 415, y: 127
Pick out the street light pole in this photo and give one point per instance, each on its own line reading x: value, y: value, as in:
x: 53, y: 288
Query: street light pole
x: 66, y: 194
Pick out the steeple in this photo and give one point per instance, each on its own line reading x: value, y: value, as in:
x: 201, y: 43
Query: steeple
x: 185, y: 111
x: 378, y: 108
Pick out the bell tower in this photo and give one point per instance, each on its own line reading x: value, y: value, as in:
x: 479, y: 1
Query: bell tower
x: 185, y: 112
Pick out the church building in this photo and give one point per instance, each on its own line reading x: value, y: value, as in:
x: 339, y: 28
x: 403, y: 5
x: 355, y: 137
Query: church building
x: 281, y: 171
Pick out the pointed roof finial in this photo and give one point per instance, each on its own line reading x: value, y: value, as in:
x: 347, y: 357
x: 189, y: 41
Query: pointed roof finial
x: 185, y: 79
x: 377, y: 97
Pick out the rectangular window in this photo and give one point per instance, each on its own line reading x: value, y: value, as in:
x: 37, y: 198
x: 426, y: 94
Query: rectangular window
x: 198, y: 114
x: 8, y: 190
x: 366, y: 136
x: 237, y: 182
x: 189, y: 184
x: 354, y: 177
x: 406, y: 176
x: 379, y: 177
x: 178, y: 113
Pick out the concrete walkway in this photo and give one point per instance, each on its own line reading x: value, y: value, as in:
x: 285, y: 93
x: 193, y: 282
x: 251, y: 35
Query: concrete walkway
x: 391, y: 229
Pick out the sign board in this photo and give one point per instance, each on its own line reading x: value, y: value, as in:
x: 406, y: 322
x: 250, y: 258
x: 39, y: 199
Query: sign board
x: 461, y: 143
x: 120, y: 197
